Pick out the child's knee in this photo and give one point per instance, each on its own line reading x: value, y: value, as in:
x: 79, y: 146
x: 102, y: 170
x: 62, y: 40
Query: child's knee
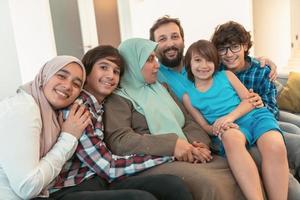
x: 233, y: 139
x: 274, y: 146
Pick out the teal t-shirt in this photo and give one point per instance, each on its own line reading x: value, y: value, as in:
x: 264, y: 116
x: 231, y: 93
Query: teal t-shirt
x: 219, y: 100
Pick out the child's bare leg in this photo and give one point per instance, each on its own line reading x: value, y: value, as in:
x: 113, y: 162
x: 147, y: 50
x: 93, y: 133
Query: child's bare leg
x: 274, y: 164
x: 242, y: 164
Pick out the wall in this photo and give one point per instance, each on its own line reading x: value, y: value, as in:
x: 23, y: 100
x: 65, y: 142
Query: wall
x: 30, y: 41
x: 107, y: 20
x: 198, y: 17
x: 66, y: 26
x: 272, y: 34
x: 34, y: 37
x: 10, y: 76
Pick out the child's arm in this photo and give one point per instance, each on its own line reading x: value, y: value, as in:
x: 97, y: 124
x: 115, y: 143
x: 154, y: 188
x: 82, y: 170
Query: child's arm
x: 243, y: 108
x: 196, y: 114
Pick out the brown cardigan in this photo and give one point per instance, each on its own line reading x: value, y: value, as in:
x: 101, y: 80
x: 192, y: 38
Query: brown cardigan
x: 126, y: 130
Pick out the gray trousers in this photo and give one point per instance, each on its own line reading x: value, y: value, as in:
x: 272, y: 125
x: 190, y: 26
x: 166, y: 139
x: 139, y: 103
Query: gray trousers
x: 289, y: 122
x: 293, y: 149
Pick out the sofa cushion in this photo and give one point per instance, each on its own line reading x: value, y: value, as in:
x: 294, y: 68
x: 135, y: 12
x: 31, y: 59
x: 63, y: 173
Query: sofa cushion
x: 289, y: 98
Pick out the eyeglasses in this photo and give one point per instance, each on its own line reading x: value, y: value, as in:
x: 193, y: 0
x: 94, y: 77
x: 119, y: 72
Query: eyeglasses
x: 235, y: 48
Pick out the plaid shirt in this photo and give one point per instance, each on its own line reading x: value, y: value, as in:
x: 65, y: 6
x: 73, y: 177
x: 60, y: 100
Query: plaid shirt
x: 257, y: 78
x: 92, y: 157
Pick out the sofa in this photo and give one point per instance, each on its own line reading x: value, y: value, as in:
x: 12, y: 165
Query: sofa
x: 288, y: 87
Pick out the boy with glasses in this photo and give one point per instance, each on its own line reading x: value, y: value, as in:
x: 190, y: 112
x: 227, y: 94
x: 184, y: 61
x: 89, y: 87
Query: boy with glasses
x: 169, y: 35
x: 233, y: 43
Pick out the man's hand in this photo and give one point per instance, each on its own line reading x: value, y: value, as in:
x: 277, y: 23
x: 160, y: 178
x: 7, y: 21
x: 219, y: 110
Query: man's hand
x: 265, y: 61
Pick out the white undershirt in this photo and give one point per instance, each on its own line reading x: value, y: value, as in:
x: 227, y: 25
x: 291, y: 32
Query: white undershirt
x: 23, y: 175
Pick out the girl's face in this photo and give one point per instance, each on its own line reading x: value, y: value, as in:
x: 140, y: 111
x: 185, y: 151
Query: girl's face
x: 103, y: 79
x: 150, y: 69
x: 201, y: 68
x: 64, y: 87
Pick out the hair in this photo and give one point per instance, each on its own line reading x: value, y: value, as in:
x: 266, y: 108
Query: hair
x: 102, y: 51
x: 231, y: 33
x: 165, y: 20
x: 205, y: 49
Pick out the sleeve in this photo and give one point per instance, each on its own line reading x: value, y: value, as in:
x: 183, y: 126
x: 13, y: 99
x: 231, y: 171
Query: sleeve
x: 93, y: 152
x: 192, y: 129
x: 121, y: 137
x: 268, y: 92
x: 26, y: 172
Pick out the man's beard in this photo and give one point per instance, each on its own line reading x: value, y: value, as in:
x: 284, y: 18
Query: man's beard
x: 174, y: 62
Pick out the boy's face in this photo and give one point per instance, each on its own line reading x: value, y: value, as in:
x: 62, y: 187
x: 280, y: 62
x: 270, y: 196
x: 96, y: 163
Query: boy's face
x: 170, y: 45
x: 233, y: 56
x: 103, y: 79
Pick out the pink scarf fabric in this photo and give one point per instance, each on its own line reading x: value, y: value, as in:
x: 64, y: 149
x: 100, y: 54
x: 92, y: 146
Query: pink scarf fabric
x: 50, y: 128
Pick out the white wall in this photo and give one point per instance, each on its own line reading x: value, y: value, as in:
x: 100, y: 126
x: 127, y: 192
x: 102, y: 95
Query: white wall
x: 272, y: 34
x: 34, y: 36
x: 27, y: 41
x: 10, y: 76
x: 198, y: 17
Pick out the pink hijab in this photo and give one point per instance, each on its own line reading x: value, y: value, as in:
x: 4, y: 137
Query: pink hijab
x: 50, y: 128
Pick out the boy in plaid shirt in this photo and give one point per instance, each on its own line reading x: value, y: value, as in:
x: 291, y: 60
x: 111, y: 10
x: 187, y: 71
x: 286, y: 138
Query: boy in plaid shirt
x: 93, y: 166
x: 233, y: 43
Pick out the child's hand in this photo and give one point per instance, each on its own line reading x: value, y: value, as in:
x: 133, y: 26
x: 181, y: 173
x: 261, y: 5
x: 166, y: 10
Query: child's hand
x: 221, y: 123
x: 230, y: 125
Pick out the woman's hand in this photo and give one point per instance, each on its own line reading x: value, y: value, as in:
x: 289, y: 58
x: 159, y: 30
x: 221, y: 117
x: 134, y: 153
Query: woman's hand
x: 202, y: 153
x: 183, y: 151
x: 77, y: 120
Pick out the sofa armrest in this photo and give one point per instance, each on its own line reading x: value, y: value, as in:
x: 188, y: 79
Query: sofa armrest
x: 282, y: 78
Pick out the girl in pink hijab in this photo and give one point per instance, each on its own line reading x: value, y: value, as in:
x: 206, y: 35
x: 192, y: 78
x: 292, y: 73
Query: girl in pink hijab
x: 35, y: 143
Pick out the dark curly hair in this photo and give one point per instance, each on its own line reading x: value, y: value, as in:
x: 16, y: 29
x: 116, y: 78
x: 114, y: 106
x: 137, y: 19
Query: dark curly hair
x: 231, y: 33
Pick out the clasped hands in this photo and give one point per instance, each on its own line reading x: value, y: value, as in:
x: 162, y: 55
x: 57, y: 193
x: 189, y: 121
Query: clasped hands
x: 197, y: 152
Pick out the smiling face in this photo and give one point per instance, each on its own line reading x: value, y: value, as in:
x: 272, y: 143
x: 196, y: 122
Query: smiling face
x: 64, y: 86
x: 234, y: 60
x: 150, y: 69
x: 103, y: 79
x: 202, y: 69
x: 170, y: 45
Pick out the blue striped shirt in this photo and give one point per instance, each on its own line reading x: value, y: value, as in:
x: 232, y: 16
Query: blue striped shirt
x: 257, y: 78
